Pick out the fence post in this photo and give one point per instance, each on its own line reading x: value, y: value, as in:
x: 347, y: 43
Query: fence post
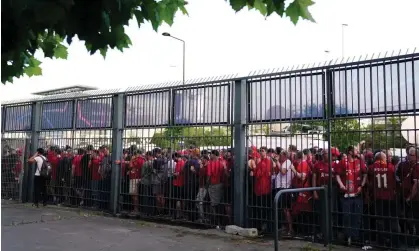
x: 29, y: 173
x: 329, y: 112
x: 239, y: 191
x: 117, y: 130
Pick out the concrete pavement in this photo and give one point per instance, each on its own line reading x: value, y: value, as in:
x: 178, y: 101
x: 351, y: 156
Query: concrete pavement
x: 48, y: 229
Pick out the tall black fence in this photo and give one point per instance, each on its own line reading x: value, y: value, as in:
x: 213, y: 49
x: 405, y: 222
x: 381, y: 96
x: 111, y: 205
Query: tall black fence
x: 216, y: 151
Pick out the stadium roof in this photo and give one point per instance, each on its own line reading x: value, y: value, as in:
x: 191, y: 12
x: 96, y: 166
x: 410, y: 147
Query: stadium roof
x: 75, y: 88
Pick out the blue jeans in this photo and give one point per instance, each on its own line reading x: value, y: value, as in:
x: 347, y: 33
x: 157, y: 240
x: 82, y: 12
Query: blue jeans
x: 352, y: 209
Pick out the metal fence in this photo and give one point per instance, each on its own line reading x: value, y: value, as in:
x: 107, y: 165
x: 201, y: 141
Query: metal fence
x: 215, y: 152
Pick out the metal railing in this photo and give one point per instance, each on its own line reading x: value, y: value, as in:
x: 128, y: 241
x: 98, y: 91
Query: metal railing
x: 300, y: 190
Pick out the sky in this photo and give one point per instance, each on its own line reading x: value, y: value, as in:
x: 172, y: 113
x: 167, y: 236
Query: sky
x: 221, y: 42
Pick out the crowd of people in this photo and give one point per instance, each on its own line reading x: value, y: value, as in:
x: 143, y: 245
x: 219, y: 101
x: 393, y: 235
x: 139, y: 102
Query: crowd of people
x: 374, y: 195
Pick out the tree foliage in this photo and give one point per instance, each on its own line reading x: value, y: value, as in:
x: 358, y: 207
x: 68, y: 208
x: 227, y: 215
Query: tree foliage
x: 384, y: 135
x: 31, y: 25
x: 184, y: 137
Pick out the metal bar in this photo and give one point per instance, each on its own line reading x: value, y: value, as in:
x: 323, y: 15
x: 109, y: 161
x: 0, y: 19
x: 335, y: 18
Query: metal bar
x: 276, y: 200
x: 240, y: 108
x: 36, y: 127
x: 117, y: 134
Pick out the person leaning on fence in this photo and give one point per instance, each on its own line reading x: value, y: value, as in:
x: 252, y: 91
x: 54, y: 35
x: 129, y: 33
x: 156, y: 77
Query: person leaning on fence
x: 147, y: 200
x: 301, y: 179
x: 382, y: 185
x: 351, y: 175
x: 282, y: 181
x: 262, y: 190
x: 40, y: 186
x: 216, y: 170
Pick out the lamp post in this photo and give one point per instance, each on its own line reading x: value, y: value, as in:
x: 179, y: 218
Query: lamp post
x: 343, y: 39
x: 166, y: 34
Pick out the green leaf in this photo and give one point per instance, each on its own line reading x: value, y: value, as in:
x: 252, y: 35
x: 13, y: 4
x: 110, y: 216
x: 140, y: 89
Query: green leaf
x: 33, y: 62
x: 280, y: 6
x: 261, y: 7
x: 237, y: 5
x: 33, y: 71
x: 103, y: 52
x: 61, y: 52
x: 139, y: 16
x: 184, y: 11
x: 299, y: 8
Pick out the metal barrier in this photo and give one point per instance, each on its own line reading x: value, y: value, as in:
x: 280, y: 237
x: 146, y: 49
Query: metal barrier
x: 316, y: 119
x: 300, y: 190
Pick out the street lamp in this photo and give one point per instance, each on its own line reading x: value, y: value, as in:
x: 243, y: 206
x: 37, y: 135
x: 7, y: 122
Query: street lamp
x: 166, y: 34
x: 343, y: 39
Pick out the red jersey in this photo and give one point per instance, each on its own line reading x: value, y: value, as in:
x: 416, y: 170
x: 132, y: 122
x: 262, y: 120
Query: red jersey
x: 53, y: 160
x: 94, y: 167
x: 215, y: 171
x: 77, y: 165
x: 135, y: 168
x: 262, y: 175
x: 351, y: 174
x: 304, y: 169
x: 321, y: 169
x: 179, y: 180
x: 382, y: 181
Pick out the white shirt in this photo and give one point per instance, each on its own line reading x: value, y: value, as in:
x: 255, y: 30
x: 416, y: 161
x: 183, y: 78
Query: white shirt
x: 284, y: 180
x: 38, y: 160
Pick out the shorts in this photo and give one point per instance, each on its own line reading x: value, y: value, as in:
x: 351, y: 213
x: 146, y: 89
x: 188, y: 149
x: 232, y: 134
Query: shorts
x: 178, y: 192
x: 133, y: 186
x: 215, y: 193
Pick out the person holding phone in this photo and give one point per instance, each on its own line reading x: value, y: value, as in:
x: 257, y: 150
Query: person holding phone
x: 40, y: 191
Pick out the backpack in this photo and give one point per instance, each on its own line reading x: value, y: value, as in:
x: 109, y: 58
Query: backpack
x: 45, y: 168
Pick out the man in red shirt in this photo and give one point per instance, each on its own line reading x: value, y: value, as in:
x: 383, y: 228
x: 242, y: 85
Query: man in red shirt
x: 216, y: 170
x: 351, y: 176
x: 382, y: 183
x: 320, y: 177
x: 262, y: 189
x: 302, y: 175
x: 53, y: 159
x: 134, y: 173
x: 179, y: 185
x: 76, y: 173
